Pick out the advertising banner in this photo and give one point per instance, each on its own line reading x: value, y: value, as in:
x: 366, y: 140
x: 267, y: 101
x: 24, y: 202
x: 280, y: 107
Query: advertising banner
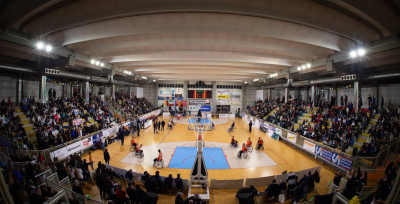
x: 223, y: 115
x: 164, y: 93
x: 87, y: 143
x: 291, y: 137
x: 222, y: 96
x: 96, y: 138
x: 110, y: 131
x: 59, y: 153
x: 73, y: 148
x: 309, y: 146
x: 332, y: 157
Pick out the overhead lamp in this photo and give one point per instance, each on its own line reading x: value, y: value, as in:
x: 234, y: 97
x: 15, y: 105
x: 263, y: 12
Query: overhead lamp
x: 245, y: 82
x: 97, y: 63
x: 102, y: 64
x: 154, y: 80
x: 92, y: 61
x: 255, y: 79
x: 298, y: 68
x: 144, y: 77
x: 361, y: 52
x: 303, y: 67
x: 308, y: 65
x: 48, y: 48
x: 39, y: 45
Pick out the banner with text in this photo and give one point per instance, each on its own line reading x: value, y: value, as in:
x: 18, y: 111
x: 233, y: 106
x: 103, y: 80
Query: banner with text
x: 333, y: 157
x: 291, y: 137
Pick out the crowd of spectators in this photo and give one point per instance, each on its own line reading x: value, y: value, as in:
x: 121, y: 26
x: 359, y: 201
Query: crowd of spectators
x: 64, y: 119
x: 335, y: 126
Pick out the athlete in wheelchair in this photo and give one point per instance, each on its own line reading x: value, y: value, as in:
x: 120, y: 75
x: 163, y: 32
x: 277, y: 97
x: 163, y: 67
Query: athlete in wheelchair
x: 233, y: 143
x: 159, y: 162
x: 243, y: 152
x: 260, y: 144
x: 138, y: 151
x: 133, y: 145
x: 248, y: 145
x: 169, y: 125
x: 232, y: 127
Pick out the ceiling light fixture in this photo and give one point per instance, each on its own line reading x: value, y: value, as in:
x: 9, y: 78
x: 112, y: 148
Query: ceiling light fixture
x: 39, y: 45
x: 308, y: 65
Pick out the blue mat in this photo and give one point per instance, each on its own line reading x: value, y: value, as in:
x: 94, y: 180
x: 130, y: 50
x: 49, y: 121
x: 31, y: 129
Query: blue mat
x: 202, y: 120
x: 184, y: 157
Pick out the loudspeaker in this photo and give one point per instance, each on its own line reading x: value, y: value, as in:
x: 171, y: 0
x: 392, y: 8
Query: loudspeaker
x: 355, y: 150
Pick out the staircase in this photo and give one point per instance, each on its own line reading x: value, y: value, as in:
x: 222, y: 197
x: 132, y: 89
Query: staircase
x: 27, y: 125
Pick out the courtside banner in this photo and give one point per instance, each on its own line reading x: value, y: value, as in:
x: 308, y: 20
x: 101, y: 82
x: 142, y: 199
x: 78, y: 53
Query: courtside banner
x: 75, y: 147
x: 334, y: 158
x: 309, y: 146
x: 292, y: 137
x: 59, y: 153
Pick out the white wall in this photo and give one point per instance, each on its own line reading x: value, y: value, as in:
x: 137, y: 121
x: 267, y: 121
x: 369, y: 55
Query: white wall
x: 8, y: 87
x: 31, y: 88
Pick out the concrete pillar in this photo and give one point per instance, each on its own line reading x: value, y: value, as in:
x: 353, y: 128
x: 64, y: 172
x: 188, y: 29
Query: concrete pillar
x: 42, y: 90
x: 313, y: 93
x: 357, y: 94
x: 86, y: 88
x: 185, y: 90
x: 286, y: 94
x: 71, y: 94
x: 112, y: 91
x: 20, y: 90
x: 269, y: 94
x: 337, y: 98
x: 214, y: 97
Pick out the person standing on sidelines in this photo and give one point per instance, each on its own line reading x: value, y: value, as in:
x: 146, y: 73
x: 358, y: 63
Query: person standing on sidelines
x: 162, y: 125
x: 250, y: 125
x: 106, y: 156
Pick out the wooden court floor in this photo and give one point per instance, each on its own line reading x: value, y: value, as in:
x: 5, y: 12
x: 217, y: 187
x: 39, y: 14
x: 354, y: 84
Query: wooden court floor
x: 286, y: 157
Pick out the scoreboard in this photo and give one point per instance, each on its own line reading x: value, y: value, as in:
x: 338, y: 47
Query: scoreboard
x: 199, y: 94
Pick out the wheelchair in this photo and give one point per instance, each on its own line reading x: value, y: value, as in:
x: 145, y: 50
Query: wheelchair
x: 230, y: 129
x: 159, y: 164
x: 139, y: 154
x: 250, y: 149
x: 244, y: 155
x: 258, y: 148
x: 233, y: 145
x: 132, y: 148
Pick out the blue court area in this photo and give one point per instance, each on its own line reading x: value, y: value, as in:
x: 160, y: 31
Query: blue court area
x: 184, y: 157
x: 202, y: 120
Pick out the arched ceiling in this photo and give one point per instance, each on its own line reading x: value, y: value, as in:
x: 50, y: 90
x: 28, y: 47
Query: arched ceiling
x: 231, y: 40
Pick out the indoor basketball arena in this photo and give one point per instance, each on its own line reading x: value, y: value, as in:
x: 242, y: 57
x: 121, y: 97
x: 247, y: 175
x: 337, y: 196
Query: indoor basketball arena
x: 192, y: 102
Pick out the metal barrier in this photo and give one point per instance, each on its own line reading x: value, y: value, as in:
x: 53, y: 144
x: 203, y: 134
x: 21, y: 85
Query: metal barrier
x: 60, y: 197
x: 338, y: 197
x: 63, y: 185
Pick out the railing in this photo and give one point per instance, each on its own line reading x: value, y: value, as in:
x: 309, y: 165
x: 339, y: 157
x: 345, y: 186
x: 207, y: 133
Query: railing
x: 60, y: 197
x: 64, y: 185
x: 41, y: 178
